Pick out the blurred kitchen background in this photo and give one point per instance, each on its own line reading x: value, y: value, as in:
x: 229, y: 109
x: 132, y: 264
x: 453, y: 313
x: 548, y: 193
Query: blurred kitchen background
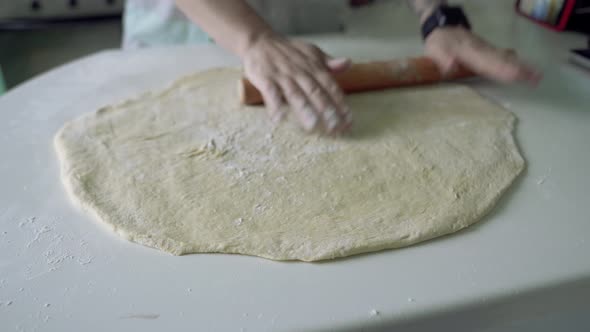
x: 37, y: 35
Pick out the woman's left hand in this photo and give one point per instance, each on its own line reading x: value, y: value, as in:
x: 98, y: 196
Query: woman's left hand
x: 450, y: 47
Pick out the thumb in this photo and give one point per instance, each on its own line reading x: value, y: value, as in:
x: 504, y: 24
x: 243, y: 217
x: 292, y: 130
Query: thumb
x: 337, y: 65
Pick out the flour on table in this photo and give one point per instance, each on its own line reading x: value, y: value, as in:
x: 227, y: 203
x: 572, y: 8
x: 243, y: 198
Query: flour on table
x: 190, y: 170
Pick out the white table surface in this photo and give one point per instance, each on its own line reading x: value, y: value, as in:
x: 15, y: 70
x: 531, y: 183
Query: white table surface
x: 527, y: 263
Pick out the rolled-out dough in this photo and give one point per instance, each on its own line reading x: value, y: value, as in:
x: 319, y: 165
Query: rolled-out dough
x: 189, y: 170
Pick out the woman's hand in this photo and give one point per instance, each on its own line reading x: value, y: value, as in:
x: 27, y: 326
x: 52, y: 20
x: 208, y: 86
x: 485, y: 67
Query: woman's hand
x: 453, y: 46
x: 298, y: 73
x: 283, y: 70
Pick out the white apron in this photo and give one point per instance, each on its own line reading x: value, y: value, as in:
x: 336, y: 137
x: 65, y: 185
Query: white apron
x: 149, y: 23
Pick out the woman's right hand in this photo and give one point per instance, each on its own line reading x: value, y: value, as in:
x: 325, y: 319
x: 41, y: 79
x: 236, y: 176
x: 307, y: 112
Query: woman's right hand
x: 298, y: 73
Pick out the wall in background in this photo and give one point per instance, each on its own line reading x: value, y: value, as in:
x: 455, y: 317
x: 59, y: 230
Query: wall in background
x: 25, y: 53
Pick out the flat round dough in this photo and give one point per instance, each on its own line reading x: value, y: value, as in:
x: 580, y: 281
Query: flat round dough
x: 190, y: 170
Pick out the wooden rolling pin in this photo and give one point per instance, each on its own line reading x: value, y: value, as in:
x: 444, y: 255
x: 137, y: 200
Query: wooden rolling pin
x: 374, y: 76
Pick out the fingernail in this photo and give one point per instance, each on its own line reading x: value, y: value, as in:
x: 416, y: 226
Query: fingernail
x: 278, y: 116
x: 310, y: 119
x: 275, y: 117
x: 331, y: 119
x: 347, y: 115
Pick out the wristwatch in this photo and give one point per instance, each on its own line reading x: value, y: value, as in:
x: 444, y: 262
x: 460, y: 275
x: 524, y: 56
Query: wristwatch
x: 444, y: 16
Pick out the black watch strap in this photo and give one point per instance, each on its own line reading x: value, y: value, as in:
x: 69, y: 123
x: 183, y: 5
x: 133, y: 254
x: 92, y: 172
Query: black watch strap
x: 444, y: 16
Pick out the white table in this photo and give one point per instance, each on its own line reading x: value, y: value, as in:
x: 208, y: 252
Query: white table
x: 525, y: 266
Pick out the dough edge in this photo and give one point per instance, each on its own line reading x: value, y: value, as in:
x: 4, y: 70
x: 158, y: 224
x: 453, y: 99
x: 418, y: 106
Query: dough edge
x: 79, y: 196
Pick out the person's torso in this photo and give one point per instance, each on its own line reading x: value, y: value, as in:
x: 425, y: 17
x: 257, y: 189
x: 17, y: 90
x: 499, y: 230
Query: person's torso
x: 156, y: 22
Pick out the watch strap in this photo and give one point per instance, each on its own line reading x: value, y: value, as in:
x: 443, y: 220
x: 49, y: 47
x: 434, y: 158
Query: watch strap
x: 444, y: 16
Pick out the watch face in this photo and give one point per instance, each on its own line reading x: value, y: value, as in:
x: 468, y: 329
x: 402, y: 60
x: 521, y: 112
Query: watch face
x: 442, y: 19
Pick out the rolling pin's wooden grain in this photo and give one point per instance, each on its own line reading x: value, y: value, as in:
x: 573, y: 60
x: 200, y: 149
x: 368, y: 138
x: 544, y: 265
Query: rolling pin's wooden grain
x: 374, y: 76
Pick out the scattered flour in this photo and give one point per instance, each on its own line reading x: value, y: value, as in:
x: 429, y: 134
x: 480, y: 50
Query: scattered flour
x: 49, y: 249
x: 544, y: 177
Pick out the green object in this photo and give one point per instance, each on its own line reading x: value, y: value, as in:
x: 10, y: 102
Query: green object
x: 2, y: 84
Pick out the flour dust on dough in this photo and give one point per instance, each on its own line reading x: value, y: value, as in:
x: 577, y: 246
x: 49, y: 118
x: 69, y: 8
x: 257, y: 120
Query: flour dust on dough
x: 190, y: 170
